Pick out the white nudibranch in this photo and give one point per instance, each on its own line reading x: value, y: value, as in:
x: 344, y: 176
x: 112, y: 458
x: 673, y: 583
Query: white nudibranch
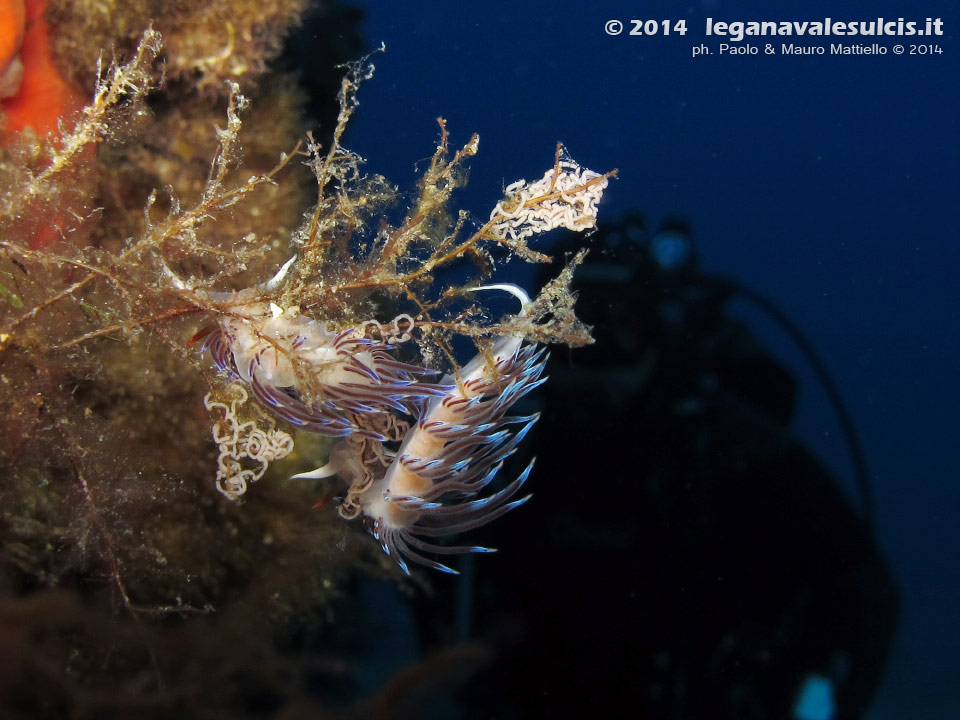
x: 433, y: 484
x: 318, y: 379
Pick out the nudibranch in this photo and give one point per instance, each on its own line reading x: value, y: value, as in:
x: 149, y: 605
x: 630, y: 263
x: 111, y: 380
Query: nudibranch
x: 321, y: 380
x: 434, y: 483
x: 331, y: 382
x: 450, y: 456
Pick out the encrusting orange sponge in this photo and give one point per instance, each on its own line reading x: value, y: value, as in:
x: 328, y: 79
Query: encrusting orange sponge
x: 32, y: 92
x: 34, y: 95
x: 12, y: 24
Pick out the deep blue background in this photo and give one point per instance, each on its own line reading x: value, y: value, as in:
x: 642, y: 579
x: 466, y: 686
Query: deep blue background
x: 828, y: 183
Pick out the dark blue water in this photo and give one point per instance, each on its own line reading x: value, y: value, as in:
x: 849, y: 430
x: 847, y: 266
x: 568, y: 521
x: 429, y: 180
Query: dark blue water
x: 828, y: 183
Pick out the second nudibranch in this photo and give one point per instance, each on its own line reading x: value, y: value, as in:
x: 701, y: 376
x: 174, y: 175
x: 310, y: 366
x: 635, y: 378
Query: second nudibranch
x: 435, y: 482
x: 452, y: 454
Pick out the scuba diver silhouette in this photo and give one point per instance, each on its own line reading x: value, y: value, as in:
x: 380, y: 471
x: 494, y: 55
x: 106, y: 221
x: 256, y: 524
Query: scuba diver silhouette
x: 685, y: 556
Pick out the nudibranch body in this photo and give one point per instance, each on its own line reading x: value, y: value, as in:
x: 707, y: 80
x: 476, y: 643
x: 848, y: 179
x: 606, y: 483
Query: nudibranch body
x: 433, y: 484
x: 451, y: 455
x: 318, y: 379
